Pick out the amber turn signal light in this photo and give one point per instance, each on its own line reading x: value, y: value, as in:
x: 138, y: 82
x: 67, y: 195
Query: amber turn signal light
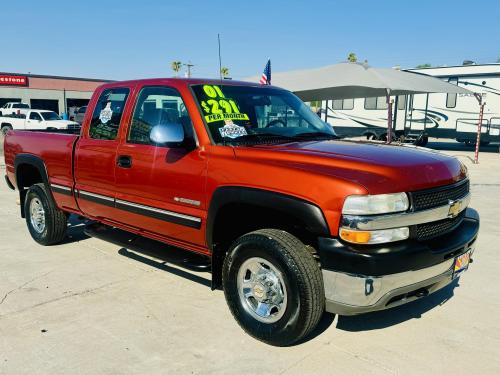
x: 355, y: 236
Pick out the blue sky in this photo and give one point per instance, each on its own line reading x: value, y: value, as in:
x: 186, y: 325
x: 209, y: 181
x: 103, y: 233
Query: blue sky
x: 134, y: 39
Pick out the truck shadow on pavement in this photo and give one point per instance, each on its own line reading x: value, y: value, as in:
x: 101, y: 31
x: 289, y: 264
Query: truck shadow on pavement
x: 397, y: 315
x: 164, y: 266
x: 176, y: 262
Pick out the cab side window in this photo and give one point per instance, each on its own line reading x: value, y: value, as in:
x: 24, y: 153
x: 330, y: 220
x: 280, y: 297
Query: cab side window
x: 35, y: 116
x: 158, y: 105
x: 108, y: 113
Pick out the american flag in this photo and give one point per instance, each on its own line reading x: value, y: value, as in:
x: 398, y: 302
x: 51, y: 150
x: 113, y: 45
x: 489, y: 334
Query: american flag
x: 266, y: 75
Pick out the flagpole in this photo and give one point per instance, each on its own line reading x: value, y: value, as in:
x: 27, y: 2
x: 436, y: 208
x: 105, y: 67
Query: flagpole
x: 220, y: 60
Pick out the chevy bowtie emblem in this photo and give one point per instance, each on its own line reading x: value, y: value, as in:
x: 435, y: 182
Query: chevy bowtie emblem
x: 455, y: 208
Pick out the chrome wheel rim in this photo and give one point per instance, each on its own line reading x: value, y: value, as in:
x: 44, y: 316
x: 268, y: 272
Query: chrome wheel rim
x: 262, y: 290
x: 37, y: 215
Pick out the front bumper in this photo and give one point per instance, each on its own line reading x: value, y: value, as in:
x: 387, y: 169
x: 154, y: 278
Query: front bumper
x: 363, y: 279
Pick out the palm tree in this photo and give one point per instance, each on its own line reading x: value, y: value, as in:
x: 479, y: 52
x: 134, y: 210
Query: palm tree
x: 176, y: 67
x: 352, y: 57
x: 224, y: 72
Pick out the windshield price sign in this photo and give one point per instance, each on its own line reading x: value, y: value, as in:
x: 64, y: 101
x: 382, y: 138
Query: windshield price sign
x: 217, y: 107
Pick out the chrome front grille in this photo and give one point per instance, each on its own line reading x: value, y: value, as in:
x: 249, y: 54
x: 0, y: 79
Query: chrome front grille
x: 425, y: 199
x: 427, y: 231
x: 428, y: 199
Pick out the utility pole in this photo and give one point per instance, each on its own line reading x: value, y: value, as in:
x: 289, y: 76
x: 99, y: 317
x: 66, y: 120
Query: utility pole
x: 189, y: 66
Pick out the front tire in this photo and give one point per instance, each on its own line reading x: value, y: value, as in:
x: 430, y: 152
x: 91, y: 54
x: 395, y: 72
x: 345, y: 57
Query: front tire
x: 46, y: 223
x: 273, y: 286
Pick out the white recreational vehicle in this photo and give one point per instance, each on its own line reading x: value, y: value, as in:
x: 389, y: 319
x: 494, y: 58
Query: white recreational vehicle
x: 417, y: 117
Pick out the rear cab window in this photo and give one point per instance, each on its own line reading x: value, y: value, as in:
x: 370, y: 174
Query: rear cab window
x: 108, y: 113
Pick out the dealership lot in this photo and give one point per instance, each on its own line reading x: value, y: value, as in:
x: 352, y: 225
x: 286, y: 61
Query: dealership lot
x: 87, y: 306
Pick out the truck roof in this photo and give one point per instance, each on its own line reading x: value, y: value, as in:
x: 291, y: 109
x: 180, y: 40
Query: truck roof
x: 185, y: 81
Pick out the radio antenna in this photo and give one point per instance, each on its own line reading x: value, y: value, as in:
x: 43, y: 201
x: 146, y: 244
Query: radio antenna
x: 220, y: 60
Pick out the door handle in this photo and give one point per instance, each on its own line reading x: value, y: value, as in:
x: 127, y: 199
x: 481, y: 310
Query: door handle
x: 124, y: 161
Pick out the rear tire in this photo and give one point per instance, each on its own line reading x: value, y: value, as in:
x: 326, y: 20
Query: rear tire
x: 273, y: 286
x: 5, y: 129
x: 46, y: 223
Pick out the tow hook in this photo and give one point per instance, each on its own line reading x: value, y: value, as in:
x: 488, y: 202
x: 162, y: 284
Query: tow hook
x: 422, y: 293
x: 368, y: 287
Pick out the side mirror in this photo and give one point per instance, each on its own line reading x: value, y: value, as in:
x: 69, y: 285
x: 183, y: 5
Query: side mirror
x: 167, y: 134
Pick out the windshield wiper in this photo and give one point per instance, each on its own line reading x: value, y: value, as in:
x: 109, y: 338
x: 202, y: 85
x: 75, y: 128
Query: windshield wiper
x: 260, y: 137
x: 315, y: 135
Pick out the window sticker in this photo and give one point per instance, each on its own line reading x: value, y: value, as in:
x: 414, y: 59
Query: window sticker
x: 217, y: 107
x: 230, y: 130
x: 106, y: 113
x: 225, y: 116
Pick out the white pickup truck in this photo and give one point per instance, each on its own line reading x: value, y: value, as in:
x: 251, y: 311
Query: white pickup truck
x: 36, y: 120
x: 14, y: 108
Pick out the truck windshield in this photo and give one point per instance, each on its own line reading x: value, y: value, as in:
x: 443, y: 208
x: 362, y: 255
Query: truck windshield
x: 49, y: 116
x: 249, y: 114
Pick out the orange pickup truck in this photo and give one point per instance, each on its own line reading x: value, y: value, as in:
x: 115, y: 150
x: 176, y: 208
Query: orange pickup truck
x: 291, y: 220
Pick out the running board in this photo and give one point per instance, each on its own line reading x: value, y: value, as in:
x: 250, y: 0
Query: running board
x: 149, y: 247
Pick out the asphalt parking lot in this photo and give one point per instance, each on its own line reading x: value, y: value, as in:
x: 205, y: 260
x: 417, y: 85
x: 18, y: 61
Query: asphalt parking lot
x: 90, y: 307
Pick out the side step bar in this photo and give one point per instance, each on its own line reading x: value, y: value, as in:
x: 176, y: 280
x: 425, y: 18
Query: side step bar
x: 152, y: 248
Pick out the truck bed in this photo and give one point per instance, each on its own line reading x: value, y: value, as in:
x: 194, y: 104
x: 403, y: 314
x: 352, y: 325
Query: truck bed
x: 55, y: 149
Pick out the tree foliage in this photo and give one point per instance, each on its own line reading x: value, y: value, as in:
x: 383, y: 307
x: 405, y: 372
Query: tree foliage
x: 176, y: 66
x: 352, y: 57
x: 224, y: 72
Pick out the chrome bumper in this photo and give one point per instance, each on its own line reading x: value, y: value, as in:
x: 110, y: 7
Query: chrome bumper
x: 348, y: 294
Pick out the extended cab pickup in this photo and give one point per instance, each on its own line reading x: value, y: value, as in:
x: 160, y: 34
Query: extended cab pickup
x: 36, y: 120
x: 293, y: 221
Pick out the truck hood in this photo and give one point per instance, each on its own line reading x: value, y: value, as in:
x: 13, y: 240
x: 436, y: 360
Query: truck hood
x: 61, y: 124
x: 379, y: 168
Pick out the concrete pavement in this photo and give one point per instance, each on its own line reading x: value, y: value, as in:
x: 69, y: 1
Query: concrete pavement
x: 89, y: 307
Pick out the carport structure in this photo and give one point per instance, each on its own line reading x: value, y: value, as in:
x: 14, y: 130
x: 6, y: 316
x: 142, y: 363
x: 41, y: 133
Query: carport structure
x: 358, y: 80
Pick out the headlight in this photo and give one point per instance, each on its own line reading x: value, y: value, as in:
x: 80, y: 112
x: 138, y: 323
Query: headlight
x: 375, y: 204
x: 374, y: 236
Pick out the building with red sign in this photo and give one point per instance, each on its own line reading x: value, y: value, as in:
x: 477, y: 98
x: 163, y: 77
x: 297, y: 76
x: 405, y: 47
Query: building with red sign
x: 58, y: 94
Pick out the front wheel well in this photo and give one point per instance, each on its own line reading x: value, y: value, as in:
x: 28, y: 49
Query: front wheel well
x: 236, y: 219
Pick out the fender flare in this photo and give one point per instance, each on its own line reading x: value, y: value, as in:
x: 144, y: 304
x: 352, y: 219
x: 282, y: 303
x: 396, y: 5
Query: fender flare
x: 39, y: 164
x: 307, y: 212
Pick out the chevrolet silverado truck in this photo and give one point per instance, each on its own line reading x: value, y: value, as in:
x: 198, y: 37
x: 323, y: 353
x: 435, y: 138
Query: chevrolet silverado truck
x: 293, y: 221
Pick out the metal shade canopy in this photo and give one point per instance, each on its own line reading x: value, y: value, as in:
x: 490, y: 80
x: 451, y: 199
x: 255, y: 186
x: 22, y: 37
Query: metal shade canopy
x: 356, y: 80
